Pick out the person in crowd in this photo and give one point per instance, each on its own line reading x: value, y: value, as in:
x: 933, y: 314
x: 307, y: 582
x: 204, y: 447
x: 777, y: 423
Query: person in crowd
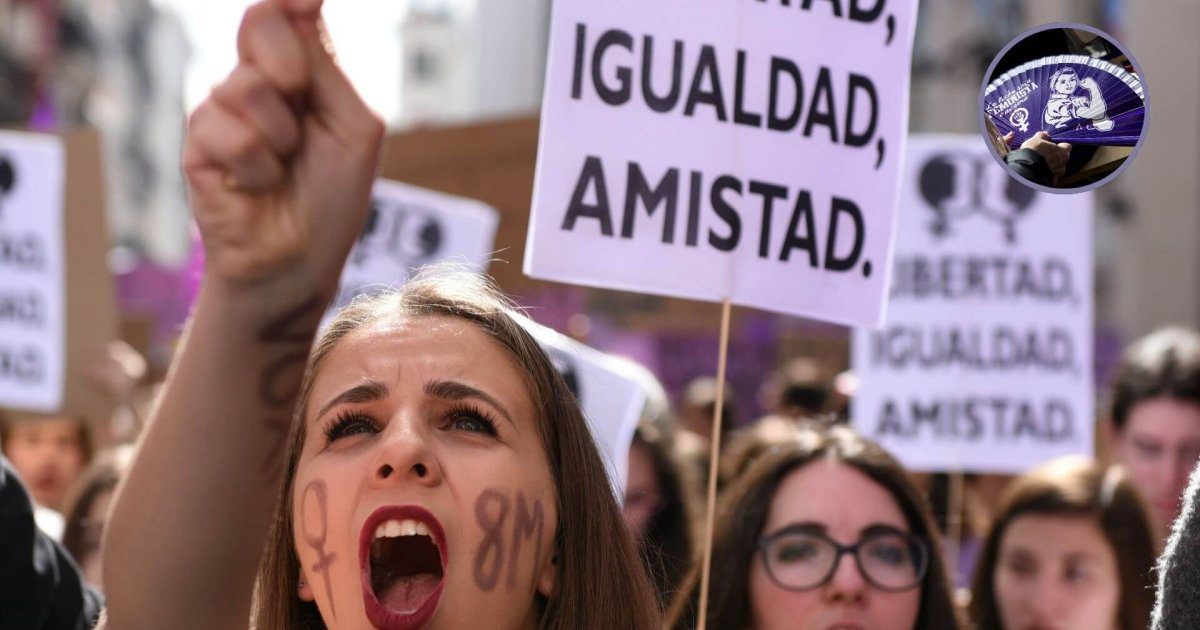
x: 40, y: 586
x: 697, y: 405
x: 85, y: 509
x: 1177, y: 606
x: 428, y: 466
x: 798, y: 389
x: 1155, y: 419
x: 1071, y: 548
x: 747, y: 443
x: 661, y: 490
x: 791, y: 551
x: 661, y: 498
x: 48, y: 452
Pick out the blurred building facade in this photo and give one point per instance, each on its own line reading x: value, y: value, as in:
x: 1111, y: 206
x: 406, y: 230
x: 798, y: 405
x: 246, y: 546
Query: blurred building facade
x: 472, y: 60
x: 120, y: 65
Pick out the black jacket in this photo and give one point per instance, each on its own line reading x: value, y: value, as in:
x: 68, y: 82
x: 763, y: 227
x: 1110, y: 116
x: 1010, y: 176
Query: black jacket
x: 40, y: 586
x: 1031, y: 165
x: 1178, y: 606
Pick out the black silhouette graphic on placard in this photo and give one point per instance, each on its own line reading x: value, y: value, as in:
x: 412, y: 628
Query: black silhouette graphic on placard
x: 409, y: 234
x: 8, y: 180
x: 959, y: 185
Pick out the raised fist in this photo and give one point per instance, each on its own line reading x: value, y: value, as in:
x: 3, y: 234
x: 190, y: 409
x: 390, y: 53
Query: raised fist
x: 281, y: 157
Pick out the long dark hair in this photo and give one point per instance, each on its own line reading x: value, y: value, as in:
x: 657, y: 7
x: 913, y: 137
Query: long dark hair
x: 744, y: 508
x: 601, y: 582
x: 1076, y: 487
x: 668, y: 543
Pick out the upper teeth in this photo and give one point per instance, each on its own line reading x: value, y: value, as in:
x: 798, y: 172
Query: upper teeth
x: 393, y: 528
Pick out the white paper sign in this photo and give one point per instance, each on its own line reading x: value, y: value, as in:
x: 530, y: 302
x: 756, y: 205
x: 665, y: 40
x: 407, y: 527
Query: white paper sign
x: 32, y: 273
x: 611, y: 398
x: 985, y: 361
x: 409, y: 227
x: 713, y: 148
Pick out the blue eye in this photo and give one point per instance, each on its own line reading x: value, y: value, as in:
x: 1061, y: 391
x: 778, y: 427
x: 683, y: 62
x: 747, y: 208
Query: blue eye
x: 349, y: 423
x: 796, y: 552
x: 891, y: 554
x: 472, y: 420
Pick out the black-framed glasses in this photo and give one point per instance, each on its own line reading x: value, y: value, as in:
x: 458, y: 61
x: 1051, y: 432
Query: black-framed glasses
x: 801, y: 558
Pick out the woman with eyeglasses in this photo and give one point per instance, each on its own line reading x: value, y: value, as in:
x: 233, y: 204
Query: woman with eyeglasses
x: 823, y: 530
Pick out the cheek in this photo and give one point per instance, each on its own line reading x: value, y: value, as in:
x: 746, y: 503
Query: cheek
x: 504, y: 540
x: 1011, y: 593
x: 508, y: 539
x: 773, y: 608
x: 72, y: 461
x: 20, y: 454
x: 1098, y: 604
x: 895, y: 611
x: 326, y: 547
x: 637, y: 514
x: 1142, y: 473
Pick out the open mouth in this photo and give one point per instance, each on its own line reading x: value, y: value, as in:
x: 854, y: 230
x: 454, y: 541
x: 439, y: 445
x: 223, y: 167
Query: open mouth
x: 403, y: 557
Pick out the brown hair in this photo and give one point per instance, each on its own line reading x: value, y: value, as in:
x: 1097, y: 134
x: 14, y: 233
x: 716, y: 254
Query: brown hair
x: 668, y: 545
x: 1163, y: 363
x: 600, y: 581
x: 1075, y: 487
x: 9, y: 419
x: 81, y: 536
x: 744, y: 508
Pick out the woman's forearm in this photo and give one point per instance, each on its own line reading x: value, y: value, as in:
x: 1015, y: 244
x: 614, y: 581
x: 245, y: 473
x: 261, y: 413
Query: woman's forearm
x: 190, y: 520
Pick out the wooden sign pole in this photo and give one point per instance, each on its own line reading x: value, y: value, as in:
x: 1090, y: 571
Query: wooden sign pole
x: 714, y: 458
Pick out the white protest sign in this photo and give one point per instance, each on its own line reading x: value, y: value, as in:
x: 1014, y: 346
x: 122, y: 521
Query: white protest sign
x: 985, y: 361
x: 608, y: 392
x: 32, y: 273
x: 712, y: 149
x: 409, y: 227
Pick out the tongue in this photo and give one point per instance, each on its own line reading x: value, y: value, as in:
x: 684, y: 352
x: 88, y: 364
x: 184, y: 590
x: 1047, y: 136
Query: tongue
x: 406, y: 594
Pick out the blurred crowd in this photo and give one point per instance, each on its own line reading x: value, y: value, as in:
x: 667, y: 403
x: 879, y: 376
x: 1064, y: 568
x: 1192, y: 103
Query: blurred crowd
x: 1073, y: 544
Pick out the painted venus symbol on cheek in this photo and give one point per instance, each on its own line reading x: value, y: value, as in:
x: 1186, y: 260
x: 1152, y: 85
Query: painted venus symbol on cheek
x: 318, y: 491
x: 529, y: 521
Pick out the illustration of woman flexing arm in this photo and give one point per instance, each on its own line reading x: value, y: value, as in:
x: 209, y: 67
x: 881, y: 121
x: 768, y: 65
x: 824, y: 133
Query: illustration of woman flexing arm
x: 1064, y: 106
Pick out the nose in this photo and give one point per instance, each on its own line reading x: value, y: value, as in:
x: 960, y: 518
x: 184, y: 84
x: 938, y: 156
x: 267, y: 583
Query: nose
x: 847, y: 584
x: 404, y: 454
x: 1046, y: 597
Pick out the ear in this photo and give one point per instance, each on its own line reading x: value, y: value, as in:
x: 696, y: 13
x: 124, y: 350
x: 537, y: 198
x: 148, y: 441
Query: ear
x: 548, y: 576
x: 304, y: 588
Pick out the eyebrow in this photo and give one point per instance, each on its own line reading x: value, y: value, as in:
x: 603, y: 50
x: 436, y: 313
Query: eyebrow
x: 368, y: 391
x: 806, y: 527
x: 813, y: 527
x: 1082, y: 557
x: 454, y: 390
